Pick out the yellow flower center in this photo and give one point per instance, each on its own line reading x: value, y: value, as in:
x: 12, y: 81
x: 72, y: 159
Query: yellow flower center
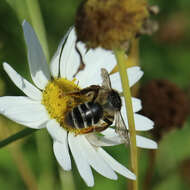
x: 59, y: 100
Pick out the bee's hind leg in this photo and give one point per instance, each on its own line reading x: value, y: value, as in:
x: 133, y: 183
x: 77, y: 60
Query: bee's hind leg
x: 100, y: 129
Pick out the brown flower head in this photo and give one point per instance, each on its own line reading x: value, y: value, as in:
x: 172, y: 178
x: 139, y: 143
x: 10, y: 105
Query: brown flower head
x: 166, y: 104
x: 110, y: 23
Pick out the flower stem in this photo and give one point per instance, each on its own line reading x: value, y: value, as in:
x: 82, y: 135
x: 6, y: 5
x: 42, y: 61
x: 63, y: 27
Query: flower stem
x: 133, y: 60
x: 17, y: 136
x: 24, y: 169
x: 150, y: 169
x: 43, y: 141
x: 121, y: 60
x: 66, y: 180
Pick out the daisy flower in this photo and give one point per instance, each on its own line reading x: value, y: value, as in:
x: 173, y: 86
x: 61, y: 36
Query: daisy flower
x: 46, y: 101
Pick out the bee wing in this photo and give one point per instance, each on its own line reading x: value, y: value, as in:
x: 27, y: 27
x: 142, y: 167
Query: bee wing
x: 105, y: 79
x: 121, y: 128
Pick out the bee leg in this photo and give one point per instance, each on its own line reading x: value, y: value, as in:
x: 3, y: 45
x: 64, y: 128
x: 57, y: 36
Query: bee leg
x: 99, y: 129
x: 94, y: 129
x: 86, y: 130
x: 107, y: 123
x: 91, y: 92
x: 90, y: 88
x: 76, y: 93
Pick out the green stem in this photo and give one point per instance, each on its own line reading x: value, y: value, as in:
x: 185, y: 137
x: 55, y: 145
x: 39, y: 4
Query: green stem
x: 67, y: 180
x: 44, y: 145
x: 150, y: 170
x: 37, y: 22
x: 17, y: 136
x: 121, y: 60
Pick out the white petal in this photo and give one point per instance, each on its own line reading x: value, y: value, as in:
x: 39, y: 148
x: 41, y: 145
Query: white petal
x: 144, y: 142
x: 30, y: 90
x: 95, y: 60
x: 70, y: 58
x: 24, y: 111
x: 95, y: 160
x: 60, y: 144
x: 142, y: 123
x: 38, y: 67
x: 56, y: 132
x: 81, y: 162
x: 115, y: 165
x: 109, y: 132
x: 61, y: 152
x: 103, y: 141
x: 134, y: 75
x: 55, y: 62
x: 116, y: 82
x: 136, y: 103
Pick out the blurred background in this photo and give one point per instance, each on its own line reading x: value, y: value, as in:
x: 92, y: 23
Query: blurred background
x: 30, y: 164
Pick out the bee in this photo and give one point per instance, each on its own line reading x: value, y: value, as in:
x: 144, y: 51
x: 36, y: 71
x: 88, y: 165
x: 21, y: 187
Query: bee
x: 101, y: 109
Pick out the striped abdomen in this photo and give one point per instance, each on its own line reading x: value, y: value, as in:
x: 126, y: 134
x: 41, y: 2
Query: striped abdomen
x: 84, y: 115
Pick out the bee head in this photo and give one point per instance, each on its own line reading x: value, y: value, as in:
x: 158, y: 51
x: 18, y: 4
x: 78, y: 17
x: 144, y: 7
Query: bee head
x: 114, y: 100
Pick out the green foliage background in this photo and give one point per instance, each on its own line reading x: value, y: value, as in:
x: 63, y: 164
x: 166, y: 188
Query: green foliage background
x: 160, y: 57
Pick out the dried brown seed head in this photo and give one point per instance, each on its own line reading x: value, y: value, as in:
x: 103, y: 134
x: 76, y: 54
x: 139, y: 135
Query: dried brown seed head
x: 166, y: 104
x: 110, y: 23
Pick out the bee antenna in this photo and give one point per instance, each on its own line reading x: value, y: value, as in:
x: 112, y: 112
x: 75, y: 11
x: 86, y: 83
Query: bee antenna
x: 82, y: 65
x: 63, y: 43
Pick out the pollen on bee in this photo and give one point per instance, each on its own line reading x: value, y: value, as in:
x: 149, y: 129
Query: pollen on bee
x: 58, y: 100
